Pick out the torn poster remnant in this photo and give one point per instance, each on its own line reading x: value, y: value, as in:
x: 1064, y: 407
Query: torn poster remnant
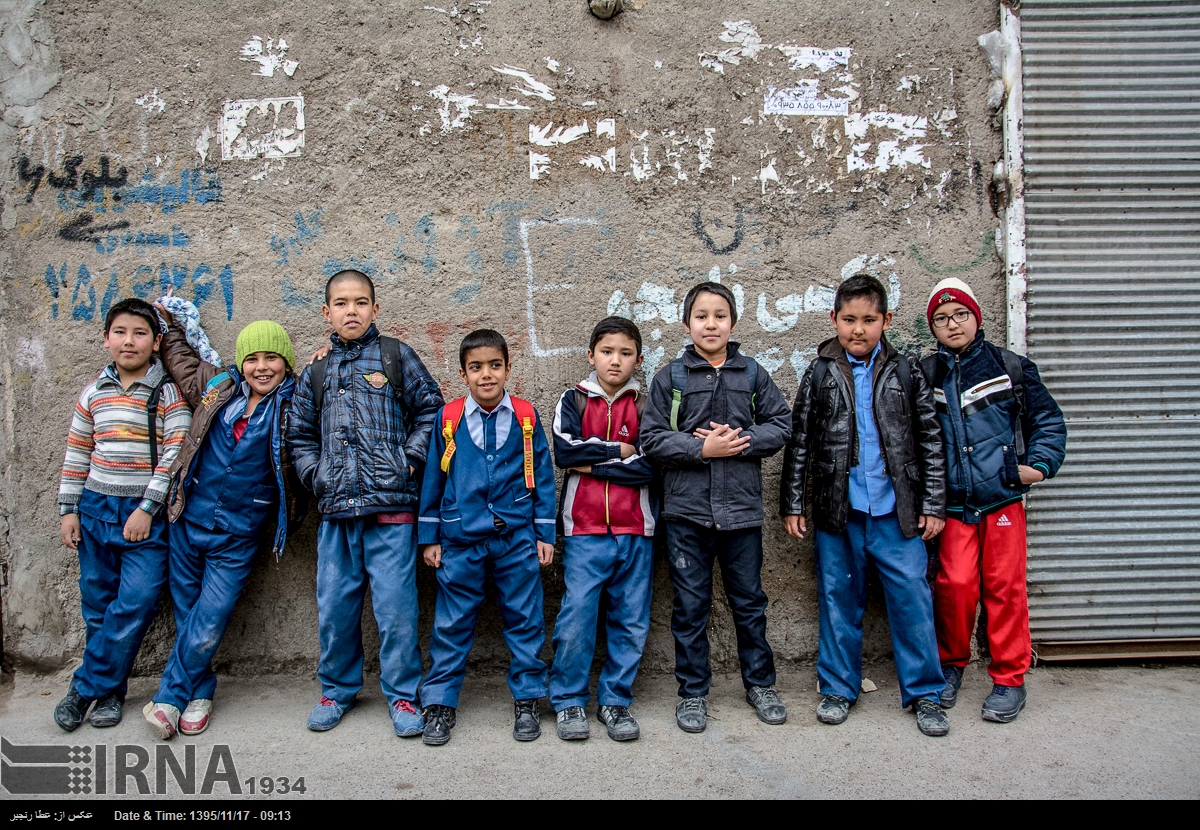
x: 894, y: 152
x: 542, y: 136
x: 462, y: 107
x: 533, y: 87
x: 539, y: 163
x: 803, y: 100
x: 262, y: 128
x: 802, y: 57
x: 747, y: 44
x: 269, y: 56
x: 598, y: 162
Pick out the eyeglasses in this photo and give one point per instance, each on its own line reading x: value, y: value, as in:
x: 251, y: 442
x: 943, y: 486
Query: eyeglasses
x: 941, y: 321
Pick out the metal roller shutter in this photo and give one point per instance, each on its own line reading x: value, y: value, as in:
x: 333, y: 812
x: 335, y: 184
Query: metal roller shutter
x: 1112, y: 187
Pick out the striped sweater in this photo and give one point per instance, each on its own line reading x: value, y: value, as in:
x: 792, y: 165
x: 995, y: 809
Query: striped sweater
x: 108, y: 448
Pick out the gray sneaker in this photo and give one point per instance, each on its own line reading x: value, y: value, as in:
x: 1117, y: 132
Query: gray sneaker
x: 954, y: 678
x: 1004, y: 703
x: 767, y: 704
x: 833, y: 709
x: 620, y: 724
x: 931, y: 720
x: 573, y: 724
x: 691, y: 714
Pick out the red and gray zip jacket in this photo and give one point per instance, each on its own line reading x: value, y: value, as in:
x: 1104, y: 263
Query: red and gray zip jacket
x: 615, y: 496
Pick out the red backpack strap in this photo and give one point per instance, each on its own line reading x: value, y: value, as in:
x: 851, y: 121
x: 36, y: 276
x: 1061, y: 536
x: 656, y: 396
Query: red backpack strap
x: 526, y: 418
x: 451, y: 416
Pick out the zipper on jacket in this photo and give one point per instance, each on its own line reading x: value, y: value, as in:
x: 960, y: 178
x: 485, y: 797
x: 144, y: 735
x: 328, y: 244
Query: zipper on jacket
x: 607, y: 437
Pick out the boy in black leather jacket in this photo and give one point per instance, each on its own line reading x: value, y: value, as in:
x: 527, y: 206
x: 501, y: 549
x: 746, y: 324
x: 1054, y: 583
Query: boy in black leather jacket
x: 865, y: 429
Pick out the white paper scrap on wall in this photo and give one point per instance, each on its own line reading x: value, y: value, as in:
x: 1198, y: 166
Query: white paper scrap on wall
x: 462, y: 107
x: 269, y: 55
x: 599, y: 162
x: 802, y: 100
x: 907, y: 126
x: 542, y: 137
x: 747, y: 42
x: 506, y: 104
x: 539, y: 163
x: 284, y: 138
x: 533, y: 87
x: 802, y: 57
x: 608, y: 127
x: 150, y: 101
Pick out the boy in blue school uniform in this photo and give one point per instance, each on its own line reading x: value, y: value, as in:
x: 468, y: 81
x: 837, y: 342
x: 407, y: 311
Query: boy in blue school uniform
x: 359, y: 432
x: 487, y: 506
x: 865, y: 430
x: 127, y: 429
x: 608, y: 535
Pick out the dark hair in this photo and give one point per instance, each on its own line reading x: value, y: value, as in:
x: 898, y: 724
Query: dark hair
x: 482, y: 339
x: 346, y: 276
x: 136, y: 307
x: 616, y: 325
x: 861, y: 285
x: 708, y: 288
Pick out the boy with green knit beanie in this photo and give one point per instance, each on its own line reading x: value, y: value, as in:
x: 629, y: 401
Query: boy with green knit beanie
x: 230, y: 481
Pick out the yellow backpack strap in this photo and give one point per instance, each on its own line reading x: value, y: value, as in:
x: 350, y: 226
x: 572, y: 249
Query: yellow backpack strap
x: 526, y: 418
x: 451, y: 415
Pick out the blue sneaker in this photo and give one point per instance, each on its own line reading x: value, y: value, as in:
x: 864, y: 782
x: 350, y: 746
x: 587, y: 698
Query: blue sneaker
x: 954, y: 678
x: 327, y: 714
x: 1004, y: 703
x: 408, y: 721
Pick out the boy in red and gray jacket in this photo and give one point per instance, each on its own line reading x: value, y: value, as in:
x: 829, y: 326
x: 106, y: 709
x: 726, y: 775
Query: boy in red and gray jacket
x: 608, y: 534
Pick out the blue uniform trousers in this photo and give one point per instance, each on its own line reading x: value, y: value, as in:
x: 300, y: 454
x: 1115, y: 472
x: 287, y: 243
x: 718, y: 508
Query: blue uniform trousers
x: 349, y: 553
x: 617, y: 569
x: 119, y: 583
x: 692, y: 550
x: 842, y: 599
x: 511, y: 559
x: 209, y: 569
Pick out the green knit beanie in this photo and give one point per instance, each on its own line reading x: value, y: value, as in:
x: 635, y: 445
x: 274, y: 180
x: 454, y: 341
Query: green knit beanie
x: 265, y: 336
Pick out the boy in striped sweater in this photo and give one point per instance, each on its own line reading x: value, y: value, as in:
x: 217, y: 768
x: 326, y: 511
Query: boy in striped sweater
x: 114, y: 483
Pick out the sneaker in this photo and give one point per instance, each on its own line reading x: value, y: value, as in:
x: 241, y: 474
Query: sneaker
x: 327, y: 714
x: 195, y: 717
x: 163, y: 719
x: 528, y: 725
x: 620, y: 724
x: 1004, y: 703
x: 767, y: 704
x: 70, y: 710
x: 573, y: 724
x: 439, y: 720
x: 833, y: 709
x: 107, y: 711
x: 691, y: 714
x: 409, y: 723
x: 949, y: 694
x: 931, y: 720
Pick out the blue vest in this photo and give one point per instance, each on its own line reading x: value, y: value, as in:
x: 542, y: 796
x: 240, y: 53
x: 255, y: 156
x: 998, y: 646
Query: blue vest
x: 233, y: 486
x: 484, y: 485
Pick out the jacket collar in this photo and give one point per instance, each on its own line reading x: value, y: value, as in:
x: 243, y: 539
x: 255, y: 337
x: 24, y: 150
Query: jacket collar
x: 592, y: 386
x: 971, y: 348
x: 368, y: 337
x: 153, y: 375
x: 833, y: 350
x: 733, y: 357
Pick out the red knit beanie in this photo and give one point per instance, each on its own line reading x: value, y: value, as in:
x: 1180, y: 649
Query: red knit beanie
x: 951, y: 290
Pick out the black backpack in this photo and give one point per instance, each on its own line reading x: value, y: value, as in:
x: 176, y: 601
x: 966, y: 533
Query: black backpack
x: 389, y: 351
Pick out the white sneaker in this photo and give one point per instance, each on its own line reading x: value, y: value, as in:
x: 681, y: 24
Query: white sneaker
x: 195, y: 717
x: 163, y: 719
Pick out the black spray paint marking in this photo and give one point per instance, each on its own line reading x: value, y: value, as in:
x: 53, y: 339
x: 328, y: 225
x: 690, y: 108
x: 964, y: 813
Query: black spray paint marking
x: 81, y: 229
x: 739, y: 228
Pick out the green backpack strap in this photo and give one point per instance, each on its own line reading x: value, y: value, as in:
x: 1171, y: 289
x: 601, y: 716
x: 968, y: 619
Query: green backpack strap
x: 679, y: 379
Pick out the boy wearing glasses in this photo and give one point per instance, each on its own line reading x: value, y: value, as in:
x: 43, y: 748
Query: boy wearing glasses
x: 1003, y: 432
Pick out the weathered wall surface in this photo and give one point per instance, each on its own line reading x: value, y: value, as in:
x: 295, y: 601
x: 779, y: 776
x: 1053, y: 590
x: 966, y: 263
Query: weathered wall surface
x: 519, y: 165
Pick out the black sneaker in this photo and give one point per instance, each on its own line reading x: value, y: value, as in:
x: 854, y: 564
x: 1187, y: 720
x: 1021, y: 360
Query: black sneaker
x: 107, y: 711
x: 691, y: 714
x: 833, y: 709
x: 954, y: 677
x: 70, y: 710
x: 439, y: 720
x: 572, y: 724
x: 767, y: 705
x: 528, y: 725
x: 1004, y: 703
x: 620, y: 724
x: 931, y: 720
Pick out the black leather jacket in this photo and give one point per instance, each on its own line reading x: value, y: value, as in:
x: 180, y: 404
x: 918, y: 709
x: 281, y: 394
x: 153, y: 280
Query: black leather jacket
x: 824, y: 442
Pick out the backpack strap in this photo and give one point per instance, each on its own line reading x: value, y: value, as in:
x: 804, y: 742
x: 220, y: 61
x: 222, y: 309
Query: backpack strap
x: 451, y: 417
x: 929, y: 368
x: 1016, y: 376
x: 580, y: 402
x: 679, y: 379
x: 752, y: 379
x: 904, y: 369
x: 526, y: 418
x: 316, y: 378
x: 152, y: 420
x: 820, y: 369
x: 389, y: 352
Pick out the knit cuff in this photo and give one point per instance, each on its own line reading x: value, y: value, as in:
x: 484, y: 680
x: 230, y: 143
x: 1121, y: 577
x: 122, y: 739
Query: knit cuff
x: 1038, y: 465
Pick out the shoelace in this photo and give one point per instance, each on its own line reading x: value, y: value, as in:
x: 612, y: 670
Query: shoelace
x: 406, y: 707
x: 436, y: 717
x: 693, y: 704
x: 527, y: 707
x: 573, y: 712
x: 770, y: 697
x: 618, y: 712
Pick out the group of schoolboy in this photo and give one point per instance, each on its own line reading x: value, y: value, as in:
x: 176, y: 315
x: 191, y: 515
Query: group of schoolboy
x: 177, y: 467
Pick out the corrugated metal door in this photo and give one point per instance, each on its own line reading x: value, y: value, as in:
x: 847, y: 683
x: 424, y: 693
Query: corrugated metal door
x: 1112, y: 185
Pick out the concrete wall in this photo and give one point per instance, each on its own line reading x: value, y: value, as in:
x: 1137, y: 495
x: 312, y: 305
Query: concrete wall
x: 519, y: 165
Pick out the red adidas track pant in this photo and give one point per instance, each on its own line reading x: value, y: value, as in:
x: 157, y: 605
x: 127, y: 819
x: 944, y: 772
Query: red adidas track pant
x: 991, y: 553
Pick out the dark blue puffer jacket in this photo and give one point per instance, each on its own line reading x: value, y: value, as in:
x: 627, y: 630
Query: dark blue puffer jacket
x: 977, y: 408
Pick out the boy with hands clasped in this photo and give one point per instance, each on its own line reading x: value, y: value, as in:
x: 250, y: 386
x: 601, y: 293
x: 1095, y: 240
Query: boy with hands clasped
x: 487, y: 506
x: 865, y: 431
x: 713, y: 415
x: 1004, y: 432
